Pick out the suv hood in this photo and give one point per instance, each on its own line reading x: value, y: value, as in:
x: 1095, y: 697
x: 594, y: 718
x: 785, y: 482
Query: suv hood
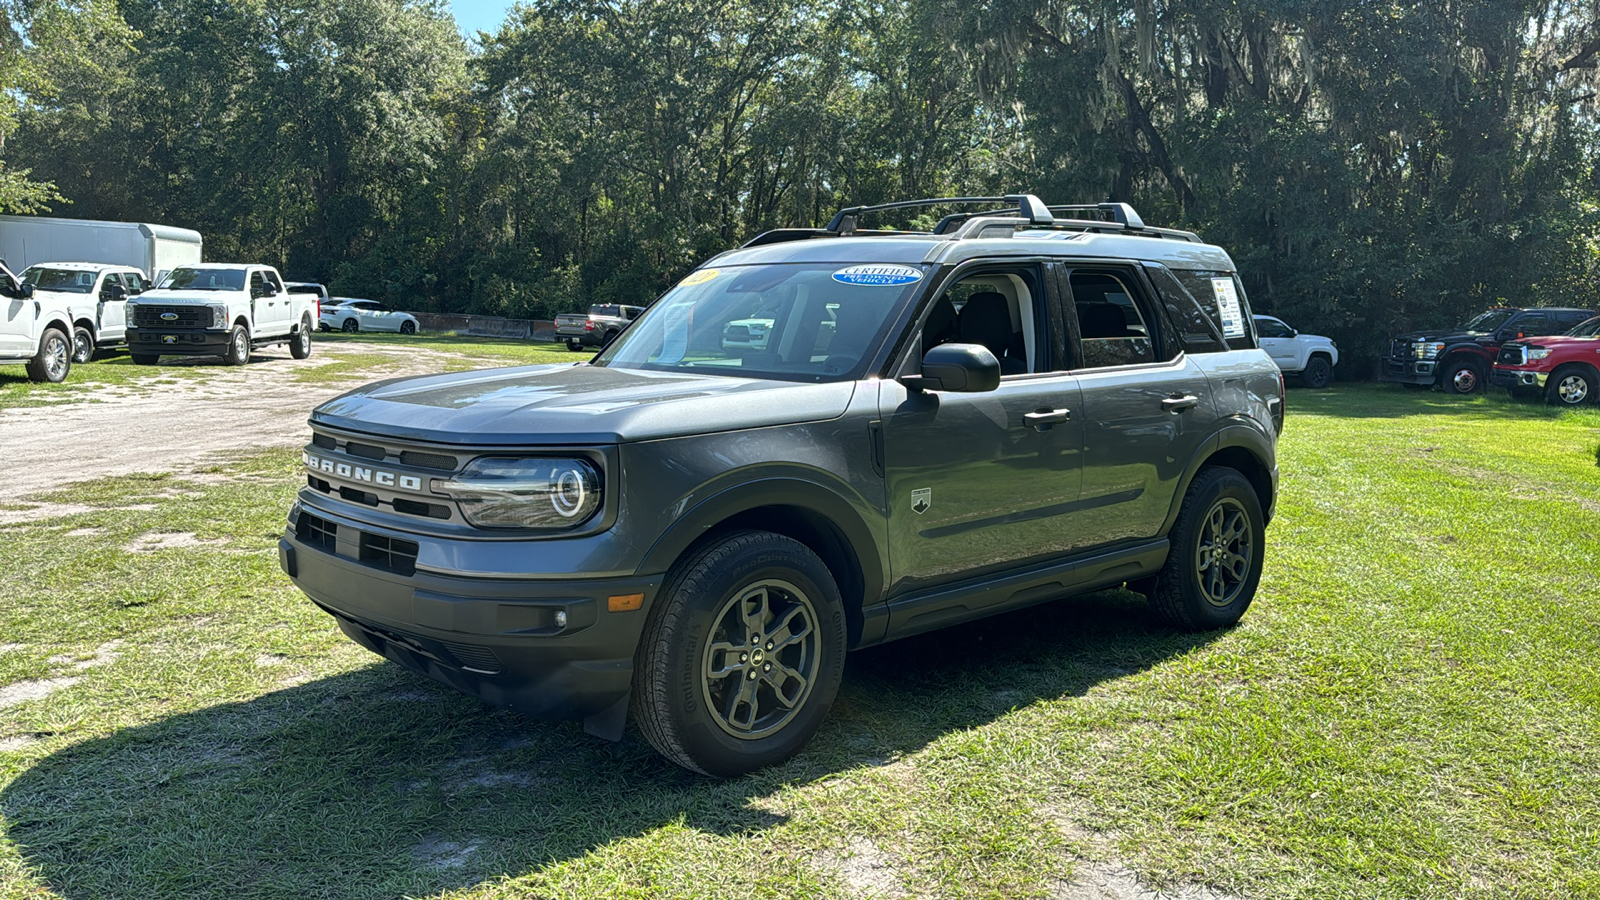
x: 1557, y: 340
x: 575, y: 404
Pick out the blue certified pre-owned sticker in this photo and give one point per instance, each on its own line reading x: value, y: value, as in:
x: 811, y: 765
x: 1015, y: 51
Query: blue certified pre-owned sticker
x: 876, y: 275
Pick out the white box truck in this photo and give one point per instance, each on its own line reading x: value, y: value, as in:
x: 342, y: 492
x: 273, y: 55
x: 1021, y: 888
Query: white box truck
x: 154, y: 250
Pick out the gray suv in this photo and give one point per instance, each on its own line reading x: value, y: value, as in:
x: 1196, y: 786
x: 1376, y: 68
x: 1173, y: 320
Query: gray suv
x: 1023, y: 403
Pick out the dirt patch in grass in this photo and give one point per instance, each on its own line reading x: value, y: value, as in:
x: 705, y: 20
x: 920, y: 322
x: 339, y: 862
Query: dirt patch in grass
x: 35, y: 689
x: 864, y: 868
x: 151, y: 543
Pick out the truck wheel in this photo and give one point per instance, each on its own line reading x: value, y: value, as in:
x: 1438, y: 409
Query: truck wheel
x: 238, y: 352
x: 351, y: 325
x: 1462, y: 377
x: 300, y: 342
x: 408, y: 327
x: 742, y: 655
x: 1318, y: 372
x: 1570, y: 387
x: 140, y: 359
x: 574, y: 344
x: 606, y: 341
x: 82, y: 344
x: 53, y: 360
x: 1214, y: 565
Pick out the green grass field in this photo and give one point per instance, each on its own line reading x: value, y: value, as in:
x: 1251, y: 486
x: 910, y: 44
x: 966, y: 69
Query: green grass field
x: 1410, y: 710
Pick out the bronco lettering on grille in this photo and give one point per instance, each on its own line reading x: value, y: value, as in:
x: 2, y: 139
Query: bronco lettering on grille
x: 362, y: 473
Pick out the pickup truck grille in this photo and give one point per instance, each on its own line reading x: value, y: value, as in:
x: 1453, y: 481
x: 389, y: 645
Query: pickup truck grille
x: 1513, y: 355
x: 148, y: 316
x: 1399, y: 349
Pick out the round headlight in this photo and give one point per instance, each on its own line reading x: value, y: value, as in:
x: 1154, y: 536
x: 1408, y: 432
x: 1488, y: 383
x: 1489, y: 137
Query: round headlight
x: 535, y: 493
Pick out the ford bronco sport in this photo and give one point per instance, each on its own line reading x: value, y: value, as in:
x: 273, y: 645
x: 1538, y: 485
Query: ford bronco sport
x: 937, y: 427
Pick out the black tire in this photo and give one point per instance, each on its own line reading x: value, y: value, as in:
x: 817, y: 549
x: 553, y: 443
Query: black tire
x: 82, y: 345
x: 351, y: 325
x: 238, y: 352
x: 1463, y: 377
x: 323, y: 326
x: 1570, y: 387
x: 1318, y: 372
x: 607, y: 339
x: 574, y: 344
x: 300, y: 341
x: 53, y: 360
x: 408, y: 327
x: 140, y: 359
x: 699, y: 655
x: 1214, y: 565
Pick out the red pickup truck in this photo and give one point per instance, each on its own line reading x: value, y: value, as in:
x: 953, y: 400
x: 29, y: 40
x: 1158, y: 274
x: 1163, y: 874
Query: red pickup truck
x: 1565, y: 367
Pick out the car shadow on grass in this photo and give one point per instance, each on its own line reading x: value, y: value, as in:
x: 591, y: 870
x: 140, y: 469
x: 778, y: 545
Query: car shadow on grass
x: 1374, y: 400
x: 380, y: 783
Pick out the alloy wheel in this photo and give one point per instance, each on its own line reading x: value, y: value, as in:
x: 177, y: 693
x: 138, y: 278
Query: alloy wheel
x: 1573, y: 389
x: 762, y: 659
x: 1224, y: 553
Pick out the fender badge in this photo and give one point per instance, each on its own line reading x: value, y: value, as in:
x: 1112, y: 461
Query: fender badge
x: 921, y: 499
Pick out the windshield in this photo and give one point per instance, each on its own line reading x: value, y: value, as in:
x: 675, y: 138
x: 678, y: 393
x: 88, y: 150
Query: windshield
x: 184, y: 279
x: 72, y: 281
x: 1586, y: 328
x: 1489, y: 321
x: 791, y: 322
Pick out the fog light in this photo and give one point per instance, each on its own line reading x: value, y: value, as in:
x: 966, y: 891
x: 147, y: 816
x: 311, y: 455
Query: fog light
x: 561, y: 618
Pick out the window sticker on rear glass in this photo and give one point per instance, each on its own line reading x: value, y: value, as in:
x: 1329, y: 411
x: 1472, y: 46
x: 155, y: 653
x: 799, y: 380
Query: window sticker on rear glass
x: 877, y: 275
x: 1228, y: 305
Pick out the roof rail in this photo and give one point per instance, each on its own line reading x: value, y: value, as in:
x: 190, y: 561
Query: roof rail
x: 1022, y: 211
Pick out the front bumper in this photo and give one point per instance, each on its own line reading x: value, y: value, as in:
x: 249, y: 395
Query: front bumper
x: 177, y: 341
x: 1408, y: 370
x: 1507, y: 377
x: 548, y: 648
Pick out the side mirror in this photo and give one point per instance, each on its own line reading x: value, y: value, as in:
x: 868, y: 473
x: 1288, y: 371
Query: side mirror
x: 25, y: 290
x: 962, y: 368
x: 115, y: 292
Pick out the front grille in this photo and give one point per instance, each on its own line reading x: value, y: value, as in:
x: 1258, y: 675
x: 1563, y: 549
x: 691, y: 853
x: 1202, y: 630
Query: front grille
x: 416, y: 508
x: 1513, y: 355
x: 422, y: 460
x: 317, y: 532
x: 394, y: 554
x: 147, y: 316
x: 365, y: 451
x: 1400, y: 349
x: 325, y: 441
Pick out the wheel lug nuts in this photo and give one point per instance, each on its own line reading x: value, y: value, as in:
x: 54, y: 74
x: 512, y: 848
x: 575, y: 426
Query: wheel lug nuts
x: 754, y: 640
x: 767, y: 667
x: 752, y: 674
x: 744, y: 657
x: 769, y: 645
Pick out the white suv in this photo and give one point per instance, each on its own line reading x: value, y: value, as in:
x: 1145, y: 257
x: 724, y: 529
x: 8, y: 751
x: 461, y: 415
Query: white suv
x: 96, y: 296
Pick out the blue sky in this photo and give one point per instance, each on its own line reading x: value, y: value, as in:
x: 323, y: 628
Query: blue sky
x: 473, y: 16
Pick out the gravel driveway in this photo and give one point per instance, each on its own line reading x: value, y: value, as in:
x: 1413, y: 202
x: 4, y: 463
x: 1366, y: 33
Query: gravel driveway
x: 180, y: 427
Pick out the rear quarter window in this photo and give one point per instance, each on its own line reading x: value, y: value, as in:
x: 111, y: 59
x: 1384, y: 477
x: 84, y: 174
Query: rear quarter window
x: 1222, y: 297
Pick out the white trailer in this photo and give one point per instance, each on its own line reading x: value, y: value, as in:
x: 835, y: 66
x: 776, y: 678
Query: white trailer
x: 154, y: 250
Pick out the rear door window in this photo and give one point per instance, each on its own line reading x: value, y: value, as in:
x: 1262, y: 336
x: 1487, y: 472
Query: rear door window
x: 1222, y: 297
x: 1117, y: 323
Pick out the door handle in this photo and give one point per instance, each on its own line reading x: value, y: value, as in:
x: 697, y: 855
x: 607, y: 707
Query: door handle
x: 1044, y: 418
x: 1179, y: 403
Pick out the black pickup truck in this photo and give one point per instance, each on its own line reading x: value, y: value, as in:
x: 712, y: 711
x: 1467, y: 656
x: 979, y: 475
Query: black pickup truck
x: 1458, y: 359
x: 603, y: 322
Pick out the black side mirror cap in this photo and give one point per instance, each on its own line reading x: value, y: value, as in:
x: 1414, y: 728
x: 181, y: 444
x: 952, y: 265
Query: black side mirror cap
x: 960, y: 368
x: 117, y: 292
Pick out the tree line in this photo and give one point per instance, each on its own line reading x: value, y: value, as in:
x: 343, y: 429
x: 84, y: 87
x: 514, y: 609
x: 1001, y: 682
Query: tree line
x: 1371, y: 166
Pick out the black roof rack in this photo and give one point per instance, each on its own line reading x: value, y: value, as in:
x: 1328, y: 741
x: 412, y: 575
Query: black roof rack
x: 1020, y: 210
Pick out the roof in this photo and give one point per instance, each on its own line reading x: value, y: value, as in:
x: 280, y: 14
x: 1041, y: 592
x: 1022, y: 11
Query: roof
x: 85, y: 266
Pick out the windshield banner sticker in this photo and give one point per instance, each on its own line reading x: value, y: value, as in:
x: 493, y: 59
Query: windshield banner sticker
x: 1228, y: 305
x: 700, y: 277
x: 877, y: 275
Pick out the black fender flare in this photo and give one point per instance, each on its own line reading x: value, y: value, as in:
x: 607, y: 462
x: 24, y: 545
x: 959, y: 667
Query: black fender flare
x: 808, y: 495
x: 1229, y: 440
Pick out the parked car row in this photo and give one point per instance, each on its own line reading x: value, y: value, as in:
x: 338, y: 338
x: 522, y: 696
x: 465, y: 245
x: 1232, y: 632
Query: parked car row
x: 1529, y: 350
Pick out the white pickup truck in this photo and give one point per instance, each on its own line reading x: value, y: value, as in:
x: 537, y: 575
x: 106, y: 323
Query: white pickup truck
x: 1310, y: 356
x: 95, y: 295
x: 36, y: 330
x: 217, y: 309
